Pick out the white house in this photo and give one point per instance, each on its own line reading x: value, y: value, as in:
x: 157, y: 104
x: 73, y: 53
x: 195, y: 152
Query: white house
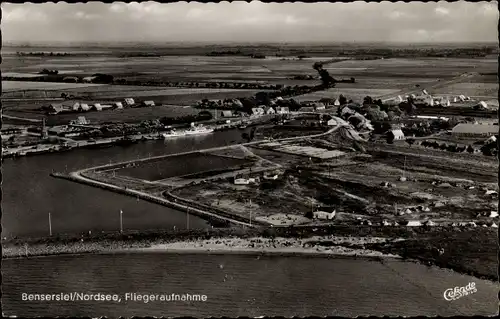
x: 257, y: 111
x: 148, y: 103
x: 493, y: 214
x: 129, y: 101
x: 241, y: 181
x: 414, y: 223
x: 97, y: 107
x: 118, y: 105
x: 76, y: 106
x: 82, y: 120
x: 227, y: 113
x: 336, y: 103
x: 398, y: 134
x: 332, y: 122
x: 324, y: 215
x: 282, y: 110
x: 84, y: 107
x: 319, y: 106
x: 269, y: 110
x: 483, y: 105
x: 430, y: 223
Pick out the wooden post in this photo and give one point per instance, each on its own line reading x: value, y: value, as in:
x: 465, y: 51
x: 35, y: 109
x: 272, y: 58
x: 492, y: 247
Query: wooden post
x: 121, y: 221
x: 50, y: 226
x: 187, y: 218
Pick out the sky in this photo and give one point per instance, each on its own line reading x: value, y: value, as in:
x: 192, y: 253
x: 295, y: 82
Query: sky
x: 251, y: 22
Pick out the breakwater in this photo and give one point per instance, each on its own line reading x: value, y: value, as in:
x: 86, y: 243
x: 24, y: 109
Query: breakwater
x: 211, y: 217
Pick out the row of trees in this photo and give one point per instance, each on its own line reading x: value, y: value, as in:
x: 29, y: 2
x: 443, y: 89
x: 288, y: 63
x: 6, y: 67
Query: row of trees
x: 202, y: 116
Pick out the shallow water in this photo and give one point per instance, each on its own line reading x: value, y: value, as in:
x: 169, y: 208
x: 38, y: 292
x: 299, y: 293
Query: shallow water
x: 29, y: 194
x: 240, y: 285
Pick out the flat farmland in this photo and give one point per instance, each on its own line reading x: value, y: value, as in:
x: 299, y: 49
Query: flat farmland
x: 472, y: 89
x: 355, y: 94
x: 128, y: 115
x: 114, y: 91
x: 8, y: 86
x: 181, y: 165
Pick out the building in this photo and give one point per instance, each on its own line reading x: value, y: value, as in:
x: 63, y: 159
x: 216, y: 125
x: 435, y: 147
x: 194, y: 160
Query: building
x: 414, y: 223
x: 332, y: 122
x: 482, y: 105
x: 97, y: 107
x: 468, y: 129
x: 269, y: 110
x: 81, y: 120
x: 129, y: 101
x: 319, y: 106
x: 282, y: 110
x: 89, y: 79
x: 324, y: 215
x: 84, y: 107
x: 336, y: 103
x: 237, y: 103
x: 148, y: 103
x: 118, y: 105
x: 257, y: 111
x: 106, y: 106
x: 396, y: 134
x: 226, y: 114
x: 430, y: 223
x: 76, y: 106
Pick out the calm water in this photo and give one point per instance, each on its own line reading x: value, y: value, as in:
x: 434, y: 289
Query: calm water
x: 30, y: 194
x: 240, y: 285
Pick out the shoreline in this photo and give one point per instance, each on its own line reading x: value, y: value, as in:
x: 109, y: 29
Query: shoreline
x: 224, y: 245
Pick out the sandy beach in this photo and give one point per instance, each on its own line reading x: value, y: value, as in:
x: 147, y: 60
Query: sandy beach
x: 318, y: 245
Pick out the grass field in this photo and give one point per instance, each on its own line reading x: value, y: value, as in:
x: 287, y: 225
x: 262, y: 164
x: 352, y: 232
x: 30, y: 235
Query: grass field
x: 355, y: 94
x: 8, y: 86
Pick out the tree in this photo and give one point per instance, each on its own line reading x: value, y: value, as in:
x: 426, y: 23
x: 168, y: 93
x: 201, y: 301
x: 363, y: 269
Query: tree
x: 342, y: 99
x: 470, y: 149
x: 410, y: 141
x: 367, y: 100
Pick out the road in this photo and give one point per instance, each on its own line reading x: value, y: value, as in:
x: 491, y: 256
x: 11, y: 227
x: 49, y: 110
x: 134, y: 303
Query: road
x: 21, y: 118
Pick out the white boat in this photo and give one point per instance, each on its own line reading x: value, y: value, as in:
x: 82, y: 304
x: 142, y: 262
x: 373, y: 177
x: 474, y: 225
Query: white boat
x: 192, y: 131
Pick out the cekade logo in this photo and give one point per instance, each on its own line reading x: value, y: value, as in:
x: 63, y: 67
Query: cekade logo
x: 458, y: 292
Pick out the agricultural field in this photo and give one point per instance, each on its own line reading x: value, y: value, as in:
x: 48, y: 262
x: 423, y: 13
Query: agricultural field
x: 355, y: 94
x: 476, y: 90
x: 8, y: 86
x: 127, y: 115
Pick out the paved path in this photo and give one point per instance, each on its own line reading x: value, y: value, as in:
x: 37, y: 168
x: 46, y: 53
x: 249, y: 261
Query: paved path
x: 21, y: 118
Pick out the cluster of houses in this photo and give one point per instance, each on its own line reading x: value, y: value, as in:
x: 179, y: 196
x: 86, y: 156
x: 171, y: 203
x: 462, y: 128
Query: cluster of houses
x: 440, y: 101
x: 72, y: 106
x: 255, y: 180
x: 257, y: 111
